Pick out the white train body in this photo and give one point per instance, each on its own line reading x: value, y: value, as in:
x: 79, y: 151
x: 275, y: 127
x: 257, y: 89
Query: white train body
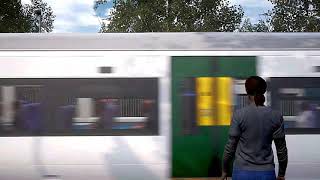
x: 124, y: 157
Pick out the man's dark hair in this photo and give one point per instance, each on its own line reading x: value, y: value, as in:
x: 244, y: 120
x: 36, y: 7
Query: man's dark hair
x: 256, y: 86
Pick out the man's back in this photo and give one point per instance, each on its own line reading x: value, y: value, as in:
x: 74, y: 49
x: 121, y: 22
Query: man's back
x: 256, y: 126
x: 250, y: 138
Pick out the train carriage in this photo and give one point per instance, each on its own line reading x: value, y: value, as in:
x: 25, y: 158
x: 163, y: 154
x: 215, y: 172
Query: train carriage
x: 148, y: 106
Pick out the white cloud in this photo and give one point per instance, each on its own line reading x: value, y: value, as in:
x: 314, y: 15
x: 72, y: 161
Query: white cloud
x: 109, y: 11
x: 25, y: 1
x: 87, y: 20
x: 107, y: 14
x: 72, y: 14
x: 253, y: 3
x: 253, y: 8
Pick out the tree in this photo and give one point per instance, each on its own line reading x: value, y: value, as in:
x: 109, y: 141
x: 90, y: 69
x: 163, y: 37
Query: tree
x: 295, y: 16
x: 47, y: 16
x: 246, y: 26
x: 18, y: 18
x: 261, y: 26
x: 12, y: 17
x: 173, y: 16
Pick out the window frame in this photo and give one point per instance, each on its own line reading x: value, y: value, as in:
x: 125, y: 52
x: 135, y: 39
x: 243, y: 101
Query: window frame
x: 55, y: 89
x: 275, y: 83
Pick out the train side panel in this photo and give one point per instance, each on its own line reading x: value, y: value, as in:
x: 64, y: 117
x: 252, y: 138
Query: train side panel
x: 304, y: 159
x: 70, y: 157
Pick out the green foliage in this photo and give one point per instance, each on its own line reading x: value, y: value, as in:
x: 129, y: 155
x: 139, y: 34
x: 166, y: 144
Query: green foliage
x: 296, y: 16
x: 173, y: 16
x: 47, y: 16
x: 288, y: 16
x: 142, y: 16
x: 208, y: 15
x: 261, y: 26
x: 246, y: 26
x: 12, y: 17
x: 18, y: 18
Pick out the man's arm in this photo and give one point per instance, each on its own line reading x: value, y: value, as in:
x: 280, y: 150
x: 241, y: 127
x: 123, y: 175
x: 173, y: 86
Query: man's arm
x: 282, y: 154
x: 231, y: 146
x: 282, y: 151
x: 229, y: 152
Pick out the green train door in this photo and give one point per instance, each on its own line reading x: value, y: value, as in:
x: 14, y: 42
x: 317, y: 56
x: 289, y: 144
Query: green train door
x: 199, y: 135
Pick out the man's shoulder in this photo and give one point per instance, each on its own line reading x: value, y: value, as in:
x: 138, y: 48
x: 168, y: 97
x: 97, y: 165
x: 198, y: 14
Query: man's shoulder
x: 245, y: 109
x: 249, y: 109
x: 241, y: 112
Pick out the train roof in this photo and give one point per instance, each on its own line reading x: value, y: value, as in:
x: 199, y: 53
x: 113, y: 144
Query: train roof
x: 162, y: 41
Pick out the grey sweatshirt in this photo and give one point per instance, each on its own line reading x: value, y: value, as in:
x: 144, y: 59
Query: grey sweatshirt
x: 251, y: 133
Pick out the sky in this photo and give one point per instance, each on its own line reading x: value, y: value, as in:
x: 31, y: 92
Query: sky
x: 79, y: 16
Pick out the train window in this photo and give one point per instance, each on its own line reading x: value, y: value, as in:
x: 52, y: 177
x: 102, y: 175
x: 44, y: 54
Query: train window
x: 79, y: 107
x: 109, y: 114
x: 240, y: 101
x: 298, y: 99
x: 20, y: 109
x: 29, y: 93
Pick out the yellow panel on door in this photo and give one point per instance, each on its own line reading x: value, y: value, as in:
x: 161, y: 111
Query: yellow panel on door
x: 205, y: 101
x: 224, y: 100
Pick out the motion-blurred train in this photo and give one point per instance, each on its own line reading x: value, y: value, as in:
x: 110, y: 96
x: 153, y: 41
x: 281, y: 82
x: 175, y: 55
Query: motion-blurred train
x: 148, y: 106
